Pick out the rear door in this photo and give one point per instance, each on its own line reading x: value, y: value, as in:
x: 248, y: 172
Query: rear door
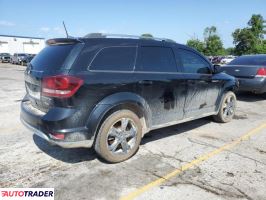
x: 160, y: 83
x: 202, y: 87
x: 52, y: 60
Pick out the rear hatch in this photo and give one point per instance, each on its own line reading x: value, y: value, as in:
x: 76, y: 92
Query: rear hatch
x: 241, y: 71
x: 55, y: 59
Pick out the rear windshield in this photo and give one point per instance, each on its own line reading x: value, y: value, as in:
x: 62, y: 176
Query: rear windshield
x: 51, y: 57
x: 249, y: 60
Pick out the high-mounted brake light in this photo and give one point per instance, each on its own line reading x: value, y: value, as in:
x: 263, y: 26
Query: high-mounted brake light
x: 261, y: 72
x: 62, y: 86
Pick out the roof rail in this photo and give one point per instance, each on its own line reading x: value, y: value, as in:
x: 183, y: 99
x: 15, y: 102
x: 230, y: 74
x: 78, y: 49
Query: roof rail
x: 107, y: 35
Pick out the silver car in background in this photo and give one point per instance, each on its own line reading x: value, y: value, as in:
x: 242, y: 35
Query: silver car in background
x: 250, y: 70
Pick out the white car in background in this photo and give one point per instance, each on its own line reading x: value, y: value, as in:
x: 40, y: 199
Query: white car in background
x: 227, y: 59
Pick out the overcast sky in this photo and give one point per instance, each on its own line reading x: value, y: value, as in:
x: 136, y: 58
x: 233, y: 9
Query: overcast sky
x: 178, y: 20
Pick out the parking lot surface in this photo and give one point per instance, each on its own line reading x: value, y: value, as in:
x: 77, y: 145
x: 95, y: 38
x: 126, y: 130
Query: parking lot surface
x: 200, y: 159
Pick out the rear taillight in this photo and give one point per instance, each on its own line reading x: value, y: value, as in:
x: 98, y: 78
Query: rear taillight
x: 58, y: 136
x: 261, y: 72
x: 61, y: 86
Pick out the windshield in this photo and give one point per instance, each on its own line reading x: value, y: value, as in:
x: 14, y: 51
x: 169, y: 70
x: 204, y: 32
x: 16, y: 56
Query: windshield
x: 5, y: 54
x: 22, y: 54
x: 249, y: 60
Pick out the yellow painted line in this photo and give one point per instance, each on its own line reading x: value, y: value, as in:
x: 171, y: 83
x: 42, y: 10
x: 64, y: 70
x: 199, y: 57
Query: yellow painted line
x: 193, y: 163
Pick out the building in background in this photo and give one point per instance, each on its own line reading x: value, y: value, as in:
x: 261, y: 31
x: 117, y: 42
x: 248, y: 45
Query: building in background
x: 21, y: 44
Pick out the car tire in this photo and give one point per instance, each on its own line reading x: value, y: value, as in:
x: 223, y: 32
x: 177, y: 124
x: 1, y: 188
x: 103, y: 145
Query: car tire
x: 227, y: 108
x: 119, y: 136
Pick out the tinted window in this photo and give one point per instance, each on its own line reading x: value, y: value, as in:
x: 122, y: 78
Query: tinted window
x: 249, y: 60
x: 157, y: 59
x: 22, y: 54
x: 192, y: 63
x: 51, y: 57
x: 115, y: 58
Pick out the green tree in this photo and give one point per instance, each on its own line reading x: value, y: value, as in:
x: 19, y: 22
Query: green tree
x: 230, y: 51
x: 256, y: 24
x: 244, y: 40
x: 250, y: 39
x: 196, y: 44
x: 213, y: 42
x: 147, y: 35
x: 209, y: 31
x: 261, y: 48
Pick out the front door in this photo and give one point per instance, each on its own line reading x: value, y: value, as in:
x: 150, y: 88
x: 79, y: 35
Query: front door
x: 202, y: 87
x: 160, y: 84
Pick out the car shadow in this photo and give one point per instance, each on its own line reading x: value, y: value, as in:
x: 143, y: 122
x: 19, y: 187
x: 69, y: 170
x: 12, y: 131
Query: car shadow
x: 174, y: 130
x: 77, y: 155
x: 250, y: 97
x: 74, y: 155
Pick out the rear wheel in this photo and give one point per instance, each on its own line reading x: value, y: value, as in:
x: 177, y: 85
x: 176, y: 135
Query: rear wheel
x: 119, y: 136
x: 227, y: 109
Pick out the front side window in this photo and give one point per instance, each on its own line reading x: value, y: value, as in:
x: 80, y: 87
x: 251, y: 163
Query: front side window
x: 114, y: 58
x: 193, y: 63
x: 156, y: 59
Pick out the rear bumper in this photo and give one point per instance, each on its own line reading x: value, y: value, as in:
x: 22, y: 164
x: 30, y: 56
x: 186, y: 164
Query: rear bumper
x: 257, y: 84
x: 64, y: 144
x: 5, y: 60
x: 36, y: 121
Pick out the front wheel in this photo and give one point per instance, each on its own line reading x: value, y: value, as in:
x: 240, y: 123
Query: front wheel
x: 227, y: 108
x: 119, y: 136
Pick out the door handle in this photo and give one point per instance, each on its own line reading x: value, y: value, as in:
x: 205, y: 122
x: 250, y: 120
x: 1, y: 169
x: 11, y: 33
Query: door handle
x: 212, y: 81
x: 145, y: 82
x: 215, y: 81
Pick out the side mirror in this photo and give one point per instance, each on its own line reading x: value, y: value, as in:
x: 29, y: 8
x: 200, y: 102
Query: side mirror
x: 216, y: 69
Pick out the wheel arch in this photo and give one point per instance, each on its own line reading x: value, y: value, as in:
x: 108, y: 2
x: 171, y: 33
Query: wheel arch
x: 118, y: 101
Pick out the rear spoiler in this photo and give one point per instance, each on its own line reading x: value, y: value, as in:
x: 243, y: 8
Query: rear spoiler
x: 63, y: 41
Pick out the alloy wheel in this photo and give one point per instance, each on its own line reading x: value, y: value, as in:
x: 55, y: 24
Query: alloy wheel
x: 229, y: 106
x: 121, y: 137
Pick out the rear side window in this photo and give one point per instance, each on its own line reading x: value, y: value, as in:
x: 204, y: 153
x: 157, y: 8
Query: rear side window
x: 157, y: 59
x: 249, y: 60
x: 114, y: 58
x: 51, y: 57
x: 193, y: 63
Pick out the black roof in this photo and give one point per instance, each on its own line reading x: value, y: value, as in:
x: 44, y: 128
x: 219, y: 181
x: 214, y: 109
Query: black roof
x: 120, y: 41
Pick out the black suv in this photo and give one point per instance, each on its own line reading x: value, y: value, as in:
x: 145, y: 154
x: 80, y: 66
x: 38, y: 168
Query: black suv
x: 107, y: 91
